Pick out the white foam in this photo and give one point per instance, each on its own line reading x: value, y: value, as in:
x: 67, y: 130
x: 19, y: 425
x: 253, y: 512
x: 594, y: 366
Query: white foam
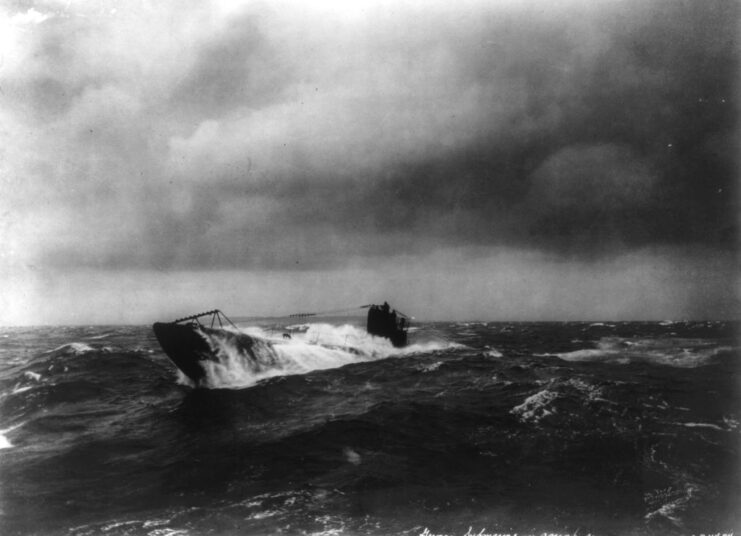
x: 35, y: 376
x: 670, y: 511
x: 4, y: 441
x: 673, y: 510
x: 426, y: 347
x: 298, y: 327
x: 674, y: 352
x: 583, y: 355
x: 702, y: 425
x: 730, y: 422
x: 540, y: 405
x: 319, y: 347
x: 431, y: 367
x: 182, y: 379
x: 98, y: 337
x: 535, y: 407
x: 119, y: 524
x: 73, y: 348
x: 351, y: 456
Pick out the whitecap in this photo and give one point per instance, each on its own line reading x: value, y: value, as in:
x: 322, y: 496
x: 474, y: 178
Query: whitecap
x: 320, y: 347
x: 119, y: 524
x: 35, y: 376
x: 730, y: 422
x: 72, y: 348
x: 674, y: 352
x: 701, y: 425
x: 298, y: 327
x: 4, y: 441
x: 541, y: 404
x: 535, y: 407
x: 351, y: 456
x: 590, y: 354
x: 673, y: 509
x: 431, y: 367
x: 98, y: 337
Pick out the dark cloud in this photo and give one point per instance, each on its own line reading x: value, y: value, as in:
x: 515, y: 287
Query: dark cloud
x: 239, y: 67
x: 572, y: 149
x: 301, y: 137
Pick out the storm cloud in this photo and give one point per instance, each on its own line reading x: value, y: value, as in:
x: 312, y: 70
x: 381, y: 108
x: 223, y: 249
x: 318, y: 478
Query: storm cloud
x: 315, y: 136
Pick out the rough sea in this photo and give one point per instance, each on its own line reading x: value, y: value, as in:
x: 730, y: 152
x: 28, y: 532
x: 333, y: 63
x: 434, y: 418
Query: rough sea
x: 475, y: 428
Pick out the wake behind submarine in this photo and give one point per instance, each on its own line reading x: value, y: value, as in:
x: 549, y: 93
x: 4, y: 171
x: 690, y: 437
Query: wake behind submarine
x: 186, y: 341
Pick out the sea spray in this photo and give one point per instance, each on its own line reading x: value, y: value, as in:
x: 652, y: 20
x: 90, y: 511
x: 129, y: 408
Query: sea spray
x: 384, y: 441
x: 308, y: 347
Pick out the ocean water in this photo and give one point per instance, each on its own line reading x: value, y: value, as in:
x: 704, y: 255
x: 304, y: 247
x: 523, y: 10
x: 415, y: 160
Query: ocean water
x: 563, y: 428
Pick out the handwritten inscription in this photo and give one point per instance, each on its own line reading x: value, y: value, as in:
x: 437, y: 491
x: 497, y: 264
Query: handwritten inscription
x: 484, y: 532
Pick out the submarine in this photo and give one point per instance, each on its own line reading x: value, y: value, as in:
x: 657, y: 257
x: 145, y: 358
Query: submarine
x: 187, y: 341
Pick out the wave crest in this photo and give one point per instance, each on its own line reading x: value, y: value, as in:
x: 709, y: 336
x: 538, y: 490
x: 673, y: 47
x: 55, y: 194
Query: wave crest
x: 72, y: 348
x: 242, y: 362
x: 682, y: 353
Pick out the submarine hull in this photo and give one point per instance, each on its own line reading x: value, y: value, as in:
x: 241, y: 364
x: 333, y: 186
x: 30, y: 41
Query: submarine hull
x: 185, y: 346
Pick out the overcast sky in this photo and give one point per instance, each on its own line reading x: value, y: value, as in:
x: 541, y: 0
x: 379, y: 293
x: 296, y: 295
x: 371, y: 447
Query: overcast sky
x: 471, y: 159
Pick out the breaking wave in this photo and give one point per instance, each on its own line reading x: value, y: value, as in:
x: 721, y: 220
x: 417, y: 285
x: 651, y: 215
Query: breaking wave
x: 99, y: 434
x: 673, y: 352
x: 244, y: 362
x: 562, y: 402
x: 4, y: 441
x: 73, y: 348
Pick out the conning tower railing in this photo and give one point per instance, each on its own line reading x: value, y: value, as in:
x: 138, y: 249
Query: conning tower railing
x: 216, y: 316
